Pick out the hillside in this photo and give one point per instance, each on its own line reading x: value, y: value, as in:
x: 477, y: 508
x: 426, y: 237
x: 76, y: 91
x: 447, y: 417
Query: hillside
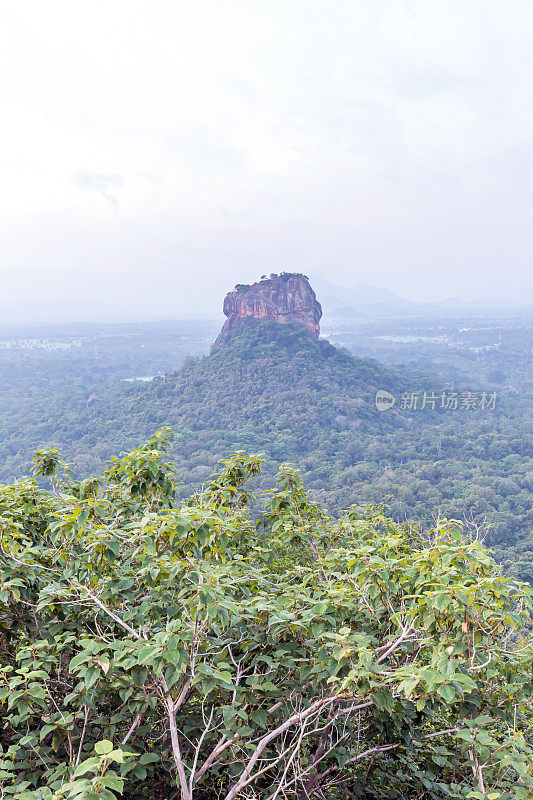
x: 274, y: 389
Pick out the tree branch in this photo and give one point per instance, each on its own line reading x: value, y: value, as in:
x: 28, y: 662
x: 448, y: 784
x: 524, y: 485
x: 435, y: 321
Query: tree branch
x: 244, y: 779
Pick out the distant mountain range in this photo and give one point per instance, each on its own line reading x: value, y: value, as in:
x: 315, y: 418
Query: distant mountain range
x: 119, y: 302
x: 369, y: 302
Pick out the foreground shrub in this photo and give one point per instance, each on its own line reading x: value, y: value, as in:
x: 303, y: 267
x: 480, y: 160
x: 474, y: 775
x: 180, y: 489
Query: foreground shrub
x: 211, y: 650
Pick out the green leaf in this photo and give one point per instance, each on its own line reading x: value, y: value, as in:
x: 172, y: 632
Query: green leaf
x: 146, y: 654
x: 104, y: 747
x: 259, y: 716
x: 112, y: 782
x: 442, y: 602
x: 383, y: 699
x: 90, y: 765
x: 149, y: 758
x: 113, y: 545
x: 447, y: 692
x: 465, y: 680
x: 81, y: 658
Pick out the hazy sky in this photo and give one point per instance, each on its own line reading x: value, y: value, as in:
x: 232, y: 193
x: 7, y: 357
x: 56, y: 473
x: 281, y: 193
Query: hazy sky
x: 154, y: 152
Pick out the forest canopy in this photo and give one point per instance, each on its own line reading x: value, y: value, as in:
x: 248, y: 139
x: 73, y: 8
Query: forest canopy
x: 275, y: 390
x: 226, y: 646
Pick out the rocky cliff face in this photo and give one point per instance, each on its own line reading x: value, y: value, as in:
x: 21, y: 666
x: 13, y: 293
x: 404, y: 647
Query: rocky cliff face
x: 286, y: 298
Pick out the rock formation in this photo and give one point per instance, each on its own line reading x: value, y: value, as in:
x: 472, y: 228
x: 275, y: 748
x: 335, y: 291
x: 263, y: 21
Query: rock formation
x: 285, y: 298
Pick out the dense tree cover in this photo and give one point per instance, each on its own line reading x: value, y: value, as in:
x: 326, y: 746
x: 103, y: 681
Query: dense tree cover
x: 221, y: 647
x: 274, y: 390
x: 300, y: 400
x: 478, y: 352
x: 48, y: 374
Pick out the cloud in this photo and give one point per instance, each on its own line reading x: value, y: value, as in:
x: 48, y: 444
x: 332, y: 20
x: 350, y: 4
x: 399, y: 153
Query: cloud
x: 87, y: 180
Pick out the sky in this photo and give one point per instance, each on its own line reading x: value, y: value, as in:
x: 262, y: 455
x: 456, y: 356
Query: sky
x: 156, y: 153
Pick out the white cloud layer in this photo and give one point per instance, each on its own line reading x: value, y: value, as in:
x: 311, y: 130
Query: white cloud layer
x: 162, y: 151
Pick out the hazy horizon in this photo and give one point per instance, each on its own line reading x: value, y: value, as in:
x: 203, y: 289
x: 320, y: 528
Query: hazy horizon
x: 155, y: 156
x: 113, y: 308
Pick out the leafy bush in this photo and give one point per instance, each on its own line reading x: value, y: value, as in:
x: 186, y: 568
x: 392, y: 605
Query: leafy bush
x: 229, y: 649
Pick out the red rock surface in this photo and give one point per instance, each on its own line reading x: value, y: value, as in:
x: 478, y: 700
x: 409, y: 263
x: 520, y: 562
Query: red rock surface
x: 285, y: 299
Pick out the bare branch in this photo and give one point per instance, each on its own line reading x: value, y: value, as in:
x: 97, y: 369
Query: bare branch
x: 405, y: 634
x: 135, y: 724
x: 298, y: 718
x: 197, y: 750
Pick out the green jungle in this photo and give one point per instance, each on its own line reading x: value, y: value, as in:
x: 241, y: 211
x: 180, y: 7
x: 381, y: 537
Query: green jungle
x: 240, y: 579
